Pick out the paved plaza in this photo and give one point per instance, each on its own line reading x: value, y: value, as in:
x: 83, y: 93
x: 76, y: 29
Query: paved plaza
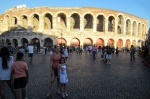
x: 88, y: 79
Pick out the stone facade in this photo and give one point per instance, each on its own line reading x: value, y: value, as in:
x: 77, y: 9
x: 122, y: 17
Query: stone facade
x: 47, y: 26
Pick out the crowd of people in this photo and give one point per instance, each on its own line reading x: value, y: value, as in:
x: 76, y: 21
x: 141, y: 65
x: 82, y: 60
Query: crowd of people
x: 15, y: 73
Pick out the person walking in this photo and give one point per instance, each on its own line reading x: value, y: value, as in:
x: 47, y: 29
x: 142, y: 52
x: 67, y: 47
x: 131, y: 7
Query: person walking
x: 6, y: 61
x: 19, y: 75
x: 54, y: 61
x: 30, y: 52
x: 65, y: 53
x: 62, y: 75
x: 132, y: 53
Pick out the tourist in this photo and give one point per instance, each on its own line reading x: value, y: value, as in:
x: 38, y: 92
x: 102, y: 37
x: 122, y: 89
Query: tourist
x: 62, y: 75
x: 30, y: 52
x: 6, y: 61
x: 54, y: 61
x: 132, y: 53
x: 19, y: 75
x: 108, y: 54
x: 10, y: 47
x: 65, y: 53
x: 94, y: 50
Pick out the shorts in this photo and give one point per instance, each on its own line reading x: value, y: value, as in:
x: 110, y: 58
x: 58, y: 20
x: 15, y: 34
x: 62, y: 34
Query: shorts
x: 55, y: 71
x: 30, y: 54
x: 20, y: 83
x: 108, y: 56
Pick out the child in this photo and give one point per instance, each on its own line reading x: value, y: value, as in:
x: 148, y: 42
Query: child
x: 19, y: 74
x: 62, y: 74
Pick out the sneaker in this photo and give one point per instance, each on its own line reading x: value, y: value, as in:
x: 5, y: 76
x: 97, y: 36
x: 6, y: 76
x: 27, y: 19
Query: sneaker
x: 66, y: 94
x: 63, y: 95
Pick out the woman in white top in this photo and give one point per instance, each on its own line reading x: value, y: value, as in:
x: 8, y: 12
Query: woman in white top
x: 6, y: 62
x: 65, y: 52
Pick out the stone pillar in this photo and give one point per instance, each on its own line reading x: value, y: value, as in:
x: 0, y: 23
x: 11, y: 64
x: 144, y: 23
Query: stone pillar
x: 41, y: 24
x: 68, y: 24
x: 116, y: 26
x: 81, y: 24
x: 55, y: 21
x: 106, y: 25
x: 105, y: 41
x: 94, y: 24
x: 131, y: 28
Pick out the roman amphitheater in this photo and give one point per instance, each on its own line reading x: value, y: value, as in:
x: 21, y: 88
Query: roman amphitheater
x: 46, y: 26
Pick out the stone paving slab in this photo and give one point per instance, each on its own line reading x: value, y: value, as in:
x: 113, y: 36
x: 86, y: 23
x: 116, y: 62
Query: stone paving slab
x: 88, y: 79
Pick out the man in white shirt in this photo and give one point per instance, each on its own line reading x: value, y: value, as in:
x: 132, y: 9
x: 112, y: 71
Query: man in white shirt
x: 30, y: 52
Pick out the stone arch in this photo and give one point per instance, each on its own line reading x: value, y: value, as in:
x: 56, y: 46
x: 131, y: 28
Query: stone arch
x: 14, y: 21
x: 111, y: 24
x: 61, y: 41
x: 134, y: 43
x: 24, y: 21
x: 62, y: 21
x: 100, y: 42
x: 7, y: 41
x: 128, y: 27
x: 87, y: 42
x: 7, y: 20
x: 24, y: 42
x: 36, y: 43
x: 48, y: 21
x: 134, y: 28
x: 88, y: 21
x: 120, y: 24
x: 75, y: 21
x: 48, y: 42
x: 15, y: 43
x: 128, y: 43
x: 110, y: 42
x: 75, y: 42
x: 35, y: 22
x: 100, y: 23
x: 120, y: 44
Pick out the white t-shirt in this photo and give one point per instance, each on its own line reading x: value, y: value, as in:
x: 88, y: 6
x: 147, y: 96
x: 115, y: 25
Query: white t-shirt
x: 65, y: 52
x: 30, y: 49
x: 63, y: 74
x: 5, y: 74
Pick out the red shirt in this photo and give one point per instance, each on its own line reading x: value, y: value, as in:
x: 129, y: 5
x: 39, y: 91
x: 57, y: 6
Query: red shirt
x: 56, y: 59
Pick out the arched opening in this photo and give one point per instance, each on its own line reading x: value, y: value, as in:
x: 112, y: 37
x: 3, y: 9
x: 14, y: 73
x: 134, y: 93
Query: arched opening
x: 48, y: 42
x: 120, y: 44
x: 75, y: 21
x: 111, y: 24
x: 110, y: 43
x: 128, y: 44
x: 48, y: 21
x: 35, y: 23
x: 75, y: 42
x: 87, y: 42
x: 61, y: 41
x: 24, y: 42
x: 100, y: 42
x: 100, y: 23
x: 88, y: 21
x: 36, y: 44
x: 15, y: 43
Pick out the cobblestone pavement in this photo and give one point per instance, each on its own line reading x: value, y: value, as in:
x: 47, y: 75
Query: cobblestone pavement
x: 88, y: 79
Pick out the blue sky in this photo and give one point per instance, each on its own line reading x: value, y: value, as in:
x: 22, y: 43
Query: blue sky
x: 140, y: 8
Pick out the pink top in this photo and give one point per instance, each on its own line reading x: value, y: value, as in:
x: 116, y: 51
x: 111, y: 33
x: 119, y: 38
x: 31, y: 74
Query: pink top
x: 19, y: 68
x: 94, y: 49
x: 56, y: 59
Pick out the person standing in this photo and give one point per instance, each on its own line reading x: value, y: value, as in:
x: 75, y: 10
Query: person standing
x: 54, y: 61
x: 30, y: 52
x: 62, y: 75
x: 132, y: 53
x: 108, y: 54
x: 65, y: 53
x: 94, y: 50
x: 19, y: 75
x: 6, y: 61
